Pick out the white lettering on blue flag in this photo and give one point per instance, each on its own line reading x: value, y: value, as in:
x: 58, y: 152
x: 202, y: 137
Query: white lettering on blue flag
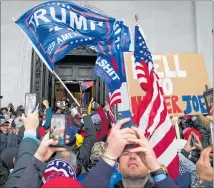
x: 51, y: 14
x: 107, y: 68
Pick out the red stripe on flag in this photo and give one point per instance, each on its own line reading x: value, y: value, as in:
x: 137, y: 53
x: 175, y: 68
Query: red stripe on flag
x: 173, y: 168
x: 145, y: 102
x: 152, y: 114
x: 164, y: 143
x: 114, y: 102
x: 155, y: 107
x: 114, y: 64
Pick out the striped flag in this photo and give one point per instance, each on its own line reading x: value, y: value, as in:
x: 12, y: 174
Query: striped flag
x: 152, y: 116
x: 113, y: 99
x: 111, y: 111
x: 85, y: 85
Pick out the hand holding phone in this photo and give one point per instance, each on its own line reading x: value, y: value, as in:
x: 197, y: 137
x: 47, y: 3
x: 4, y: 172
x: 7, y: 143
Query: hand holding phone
x: 57, y: 131
x: 195, y: 142
x: 190, y: 145
x: 30, y: 103
x: 192, y: 140
x: 44, y: 151
x: 122, y: 115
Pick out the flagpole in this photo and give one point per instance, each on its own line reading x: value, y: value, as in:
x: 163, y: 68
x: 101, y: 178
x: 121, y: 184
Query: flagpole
x: 138, y: 24
x: 45, y: 62
x: 137, y: 19
x: 80, y: 92
x: 66, y: 88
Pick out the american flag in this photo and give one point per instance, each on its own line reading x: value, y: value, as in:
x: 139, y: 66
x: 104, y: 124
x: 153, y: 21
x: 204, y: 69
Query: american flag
x: 85, y: 85
x: 113, y: 99
x: 152, y: 116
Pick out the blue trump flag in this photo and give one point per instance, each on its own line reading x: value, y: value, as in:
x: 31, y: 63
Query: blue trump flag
x: 120, y: 42
x: 104, y: 69
x: 56, y: 27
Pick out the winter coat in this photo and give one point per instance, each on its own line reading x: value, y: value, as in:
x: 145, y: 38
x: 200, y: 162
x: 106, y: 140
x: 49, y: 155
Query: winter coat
x: 28, y: 171
x: 27, y: 149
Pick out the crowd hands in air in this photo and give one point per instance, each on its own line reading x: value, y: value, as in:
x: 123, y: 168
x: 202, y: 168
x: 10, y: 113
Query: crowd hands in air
x: 96, y: 155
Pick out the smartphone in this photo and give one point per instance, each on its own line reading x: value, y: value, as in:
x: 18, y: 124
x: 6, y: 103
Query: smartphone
x: 57, y: 131
x: 208, y: 97
x: 30, y: 102
x: 124, y: 114
x: 193, y: 140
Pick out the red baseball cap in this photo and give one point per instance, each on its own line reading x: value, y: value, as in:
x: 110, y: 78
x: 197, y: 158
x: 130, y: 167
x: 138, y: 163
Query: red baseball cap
x: 188, y: 132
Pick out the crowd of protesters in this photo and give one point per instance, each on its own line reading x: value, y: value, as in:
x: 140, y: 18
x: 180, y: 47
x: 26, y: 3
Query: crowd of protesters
x: 97, y: 154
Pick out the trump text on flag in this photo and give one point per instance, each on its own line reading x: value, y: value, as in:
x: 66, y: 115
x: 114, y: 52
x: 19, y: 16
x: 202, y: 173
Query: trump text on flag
x: 179, y: 77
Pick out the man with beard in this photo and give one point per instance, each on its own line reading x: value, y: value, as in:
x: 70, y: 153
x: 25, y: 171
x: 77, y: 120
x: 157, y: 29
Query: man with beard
x: 135, y: 167
x: 135, y: 157
x: 134, y: 172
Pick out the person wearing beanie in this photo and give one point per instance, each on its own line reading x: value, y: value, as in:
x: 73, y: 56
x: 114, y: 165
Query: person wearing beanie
x: 58, y: 168
x: 32, y: 171
x: 8, y: 157
x: 7, y: 160
x: 27, y: 148
x: 62, y: 182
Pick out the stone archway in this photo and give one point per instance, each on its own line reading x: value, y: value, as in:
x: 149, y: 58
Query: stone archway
x: 43, y: 83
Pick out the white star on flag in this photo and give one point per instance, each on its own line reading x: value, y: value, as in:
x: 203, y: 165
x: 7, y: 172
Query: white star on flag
x: 51, y: 29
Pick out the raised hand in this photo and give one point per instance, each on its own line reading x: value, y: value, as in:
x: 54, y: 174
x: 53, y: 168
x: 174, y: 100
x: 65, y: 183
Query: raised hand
x: 118, y: 139
x: 144, y: 149
x: 31, y: 122
x: 203, y: 166
x: 45, y: 151
x: 46, y: 103
x: 190, y: 148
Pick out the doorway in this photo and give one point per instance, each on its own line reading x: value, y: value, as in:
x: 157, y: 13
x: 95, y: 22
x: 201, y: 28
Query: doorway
x: 76, y: 66
x: 74, y: 88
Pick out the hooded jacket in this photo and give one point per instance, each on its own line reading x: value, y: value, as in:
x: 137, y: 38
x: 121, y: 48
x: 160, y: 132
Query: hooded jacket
x: 101, y: 135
